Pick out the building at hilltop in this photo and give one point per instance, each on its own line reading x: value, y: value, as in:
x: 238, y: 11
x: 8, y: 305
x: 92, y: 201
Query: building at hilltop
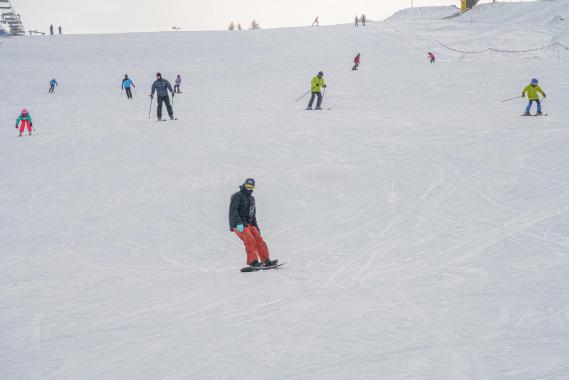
x: 10, y: 22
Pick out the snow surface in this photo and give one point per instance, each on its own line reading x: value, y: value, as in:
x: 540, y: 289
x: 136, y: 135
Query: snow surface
x: 425, y: 225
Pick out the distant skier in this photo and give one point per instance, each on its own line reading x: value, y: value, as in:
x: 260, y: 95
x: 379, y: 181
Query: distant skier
x: 60, y: 32
x: 356, y: 21
x: 177, y: 84
x: 431, y: 57
x: 51, y: 29
x: 24, y: 120
x: 316, y: 86
x: 126, y: 85
x: 243, y: 222
x: 532, y: 90
x: 52, y: 84
x: 315, y: 22
x: 162, y: 86
x: 356, y: 62
x: 363, y: 20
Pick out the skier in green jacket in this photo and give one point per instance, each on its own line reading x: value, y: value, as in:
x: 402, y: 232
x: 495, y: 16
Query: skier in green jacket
x: 24, y: 120
x: 532, y: 90
x: 316, y: 86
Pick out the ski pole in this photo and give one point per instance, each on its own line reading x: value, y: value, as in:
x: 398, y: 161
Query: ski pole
x: 303, y: 95
x: 507, y: 100
x: 150, y: 110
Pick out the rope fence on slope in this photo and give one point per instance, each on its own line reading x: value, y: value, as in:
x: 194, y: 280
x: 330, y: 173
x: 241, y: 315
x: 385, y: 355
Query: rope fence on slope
x: 555, y: 44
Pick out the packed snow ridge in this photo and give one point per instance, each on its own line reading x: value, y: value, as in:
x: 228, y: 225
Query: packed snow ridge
x: 424, y: 223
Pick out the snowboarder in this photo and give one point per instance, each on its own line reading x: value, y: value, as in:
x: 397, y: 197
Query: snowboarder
x: 177, y: 84
x: 243, y: 222
x: 356, y: 62
x: 316, y: 86
x: 162, y: 86
x: 51, y: 29
x: 356, y: 21
x: 532, y: 90
x: 363, y: 20
x: 126, y: 84
x: 25, y: 120
x: 52, y: 84
x: 315, y: 22
x: 431, y: 57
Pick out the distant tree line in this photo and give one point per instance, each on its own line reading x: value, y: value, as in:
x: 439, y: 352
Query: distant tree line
x: 254, y: 25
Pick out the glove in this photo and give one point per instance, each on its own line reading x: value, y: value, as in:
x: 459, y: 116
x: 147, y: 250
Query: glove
x: 151, y: 96
x: 324, y: 86
x: 173, y: 94
x: 31, y: 125
x: 544, y: 96
x: 523, y: 95
x: 16, y: 126
x: 240, y: 228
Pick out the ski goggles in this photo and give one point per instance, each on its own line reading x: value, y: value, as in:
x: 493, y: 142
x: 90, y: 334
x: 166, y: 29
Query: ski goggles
x: 249, y: 186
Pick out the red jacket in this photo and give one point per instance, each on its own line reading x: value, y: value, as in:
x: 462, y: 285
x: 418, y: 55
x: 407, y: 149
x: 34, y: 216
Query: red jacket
x: 357, y: 59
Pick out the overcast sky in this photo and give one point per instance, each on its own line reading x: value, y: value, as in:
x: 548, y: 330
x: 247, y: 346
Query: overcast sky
x: 107, y: 16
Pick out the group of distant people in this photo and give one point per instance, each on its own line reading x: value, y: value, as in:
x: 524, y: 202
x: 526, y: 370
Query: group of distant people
x: 357, y: 21
x: 58, y: 28
x: 360, y: 20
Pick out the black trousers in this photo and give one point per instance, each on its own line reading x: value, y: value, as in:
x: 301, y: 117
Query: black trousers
x: 128, y: 92
x: 164, y: 99
x: 177, y: 88
x: 51, y: 88
x: 314, y: 95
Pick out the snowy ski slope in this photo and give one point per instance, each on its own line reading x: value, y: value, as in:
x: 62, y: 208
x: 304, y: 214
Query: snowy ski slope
x: 424, y: 223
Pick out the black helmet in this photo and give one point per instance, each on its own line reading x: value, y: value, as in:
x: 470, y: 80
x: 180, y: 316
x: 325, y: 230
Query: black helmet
x: 159, y: 75
x: 249, y: 184
x: 320, y: 74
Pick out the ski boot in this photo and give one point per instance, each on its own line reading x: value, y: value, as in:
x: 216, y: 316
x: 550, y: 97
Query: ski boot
x: 318, y: 109
x: 526, y: 114
x: 270, y: 263
x: 539, y: 114
x: 20, y: 135
x: 309, y: 108
x: 255, y: 264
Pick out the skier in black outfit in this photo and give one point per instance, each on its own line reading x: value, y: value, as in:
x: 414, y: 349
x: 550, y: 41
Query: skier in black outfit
x: 162, y: 86
x: 243, y: 222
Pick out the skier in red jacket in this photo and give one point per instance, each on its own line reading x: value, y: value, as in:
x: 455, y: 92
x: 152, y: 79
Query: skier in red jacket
x: 431, y: 57
x: 356, y: 62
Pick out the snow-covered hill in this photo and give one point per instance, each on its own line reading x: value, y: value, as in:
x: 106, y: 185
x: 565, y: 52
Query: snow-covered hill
x: 424, y: 223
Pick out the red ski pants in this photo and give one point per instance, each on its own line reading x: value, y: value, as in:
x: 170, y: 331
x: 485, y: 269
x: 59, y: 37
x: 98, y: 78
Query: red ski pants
x: 24, y: 124
x: 255, y: 246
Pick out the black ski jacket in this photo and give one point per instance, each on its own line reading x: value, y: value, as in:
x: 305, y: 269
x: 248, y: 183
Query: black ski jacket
x: 242, y: 209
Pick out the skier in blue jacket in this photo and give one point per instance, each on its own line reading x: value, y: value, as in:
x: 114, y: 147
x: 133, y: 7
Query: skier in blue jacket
x: 126, y: 84
x: 52, y: 84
